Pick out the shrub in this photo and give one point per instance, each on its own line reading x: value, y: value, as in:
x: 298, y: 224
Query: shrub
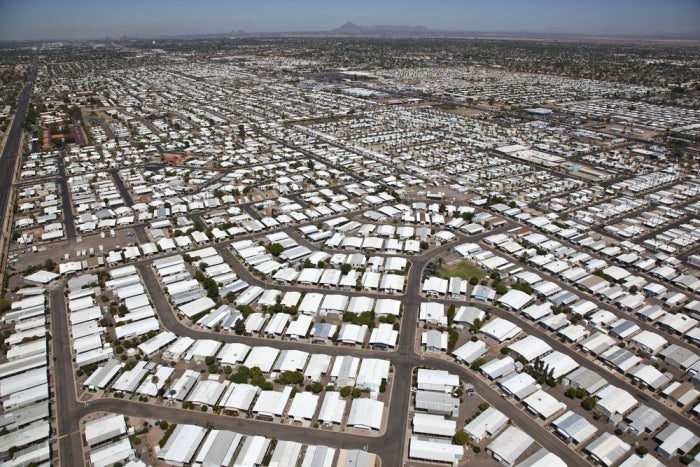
x: 588, y: 403
x: 460, y: 438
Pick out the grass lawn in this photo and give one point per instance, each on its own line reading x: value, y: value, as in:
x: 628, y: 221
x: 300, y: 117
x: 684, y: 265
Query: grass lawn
x: 460, y: 268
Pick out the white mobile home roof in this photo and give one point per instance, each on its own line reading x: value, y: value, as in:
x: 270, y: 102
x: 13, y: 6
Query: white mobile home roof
x: 607, y: 449
x: 178, y: 348
x: 372, y: 371
x: 277, y: 324
x: 87, y: 343
x: 530, y: 347
x: 129, y: 380
x: 25, y: 415
x: 182, y: 444
x: 299, y: 327
x: 137, y: 328
x: 197, y: 306
x: 136, y: 301
x: 366, y: 414
x: 332, y: 409
x: 203, y: 348
x: 219, y: 447
x: 543, y: 404
x: 434, y: 450
x: 587, y: 379
x: 520, y: 385
x: 253, y: 450
x: 263, y: 357
x: 287, y: 454
x: 470, y: 351
x: 311, y: 303
x: 116, y: 273
x: 32, y: 433
x: 122, y: 282
x: 249, y: 295
x: 436, y: 425
x: 233, y: 353
x: 20, y: 351
x: 387, y: 306
x: 29, y: 302
x: 303, y: 406
x: 574, y: 426
x: 498, y: 367
x: 317, y: 366
x: 178, y: 287
x: 240, y: 397
x: 80, y: 304
x: 318, y: 456
x: 559, y: 363
x: 543, y: 458
x: 489, y: 422
x: 183, y: 385
x: 104, y: 428
x: 130, y: 291
x: 163, y: 263
x: 150, y: 386
x: 614, y: 400
x: 157, y: 342
x: 384, y: 335
x: 501, y: 329
x: 291, y: 360
x: 635, y: 460
x: 207, y: 392
x: 101, y: 377
x: 112, y: 453
x: 21, y: 365
x: 23, y: 381
x: 203, y: 253
x: 272, y: 403
x: 675, y: 439
x: 510, y: 445
x: 515, y: 299
x: 437, y: 403
x: 26, y: 397
x: 344, y: 370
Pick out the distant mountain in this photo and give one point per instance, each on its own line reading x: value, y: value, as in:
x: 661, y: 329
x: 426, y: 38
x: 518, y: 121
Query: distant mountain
x: 356, y: 29
x: 350, y: 28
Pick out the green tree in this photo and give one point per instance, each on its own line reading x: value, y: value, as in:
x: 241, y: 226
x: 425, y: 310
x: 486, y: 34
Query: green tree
x: 239, y: 327
x: 460, y: 438
x: 315, y: 387
x: 275, y: 249
x: 588, y: 403
x: 501, y: 289
x: 291, y: 377
x: 451, y: 314
x: 4, y: 305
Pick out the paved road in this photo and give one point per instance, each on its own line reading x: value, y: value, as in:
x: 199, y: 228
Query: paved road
x: 391, y: 445
x: 66, y: 205
x: 119, y: 183
x: 67, y: 408
x: 8, y: 159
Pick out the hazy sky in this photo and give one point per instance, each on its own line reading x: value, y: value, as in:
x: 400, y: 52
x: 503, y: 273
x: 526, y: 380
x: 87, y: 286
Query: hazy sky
x: 44, y: 19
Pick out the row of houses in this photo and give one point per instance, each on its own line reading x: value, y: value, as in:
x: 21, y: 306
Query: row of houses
x: 25, y: 428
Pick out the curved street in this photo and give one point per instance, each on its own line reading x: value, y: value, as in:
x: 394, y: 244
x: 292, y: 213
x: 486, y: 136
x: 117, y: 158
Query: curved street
x: 390, y: 446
